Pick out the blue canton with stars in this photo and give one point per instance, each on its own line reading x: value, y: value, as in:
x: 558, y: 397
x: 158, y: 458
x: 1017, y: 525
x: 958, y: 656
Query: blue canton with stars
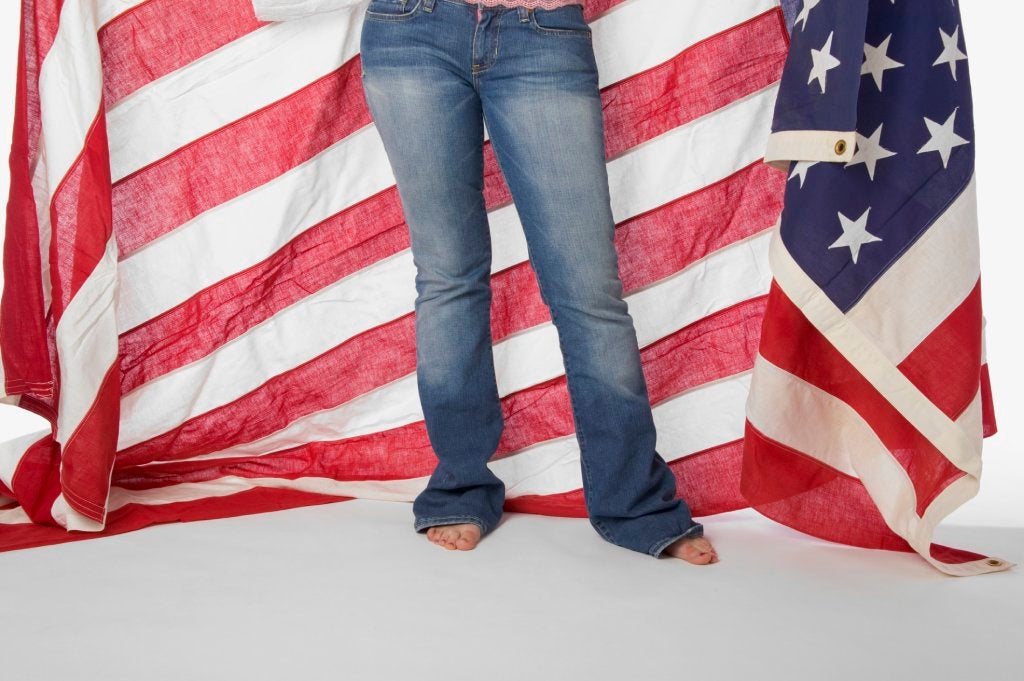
x: 896, y: 72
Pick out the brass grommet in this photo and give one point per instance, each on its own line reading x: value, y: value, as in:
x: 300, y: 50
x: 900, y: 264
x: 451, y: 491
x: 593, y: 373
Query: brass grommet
x: 993, y: 562
x: 840, y: 147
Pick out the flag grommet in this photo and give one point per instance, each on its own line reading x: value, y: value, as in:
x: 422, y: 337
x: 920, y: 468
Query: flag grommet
x: 840, y: 147
x: 994, y: 562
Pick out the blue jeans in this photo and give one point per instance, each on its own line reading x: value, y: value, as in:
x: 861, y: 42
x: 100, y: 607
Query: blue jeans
x: 433, y: 71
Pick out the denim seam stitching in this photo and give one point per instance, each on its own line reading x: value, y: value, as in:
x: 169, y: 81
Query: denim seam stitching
x: 558, y: 31
x: 383, y: 16
x: 660, y: 546
x: 422, y: 523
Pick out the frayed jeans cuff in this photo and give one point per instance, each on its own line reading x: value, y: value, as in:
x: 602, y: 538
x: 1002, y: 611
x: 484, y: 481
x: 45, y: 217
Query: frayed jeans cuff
x: 696, y: 530
x: 423, y: 524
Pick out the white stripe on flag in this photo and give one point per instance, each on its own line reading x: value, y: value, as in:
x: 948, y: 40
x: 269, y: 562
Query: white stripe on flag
x: 640, y: 34
x: 14, y: 516
x: 70, y: 519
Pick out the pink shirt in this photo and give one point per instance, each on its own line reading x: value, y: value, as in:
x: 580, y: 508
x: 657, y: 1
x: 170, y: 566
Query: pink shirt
x: 543, y: 4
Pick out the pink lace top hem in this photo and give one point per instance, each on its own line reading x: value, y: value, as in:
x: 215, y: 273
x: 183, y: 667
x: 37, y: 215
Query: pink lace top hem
x: 542, y: 4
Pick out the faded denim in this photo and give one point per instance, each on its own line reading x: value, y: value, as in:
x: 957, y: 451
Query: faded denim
x: 433, y: 72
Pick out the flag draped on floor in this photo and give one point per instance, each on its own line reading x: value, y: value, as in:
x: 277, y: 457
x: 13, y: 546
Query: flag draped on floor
x: 209, y: 289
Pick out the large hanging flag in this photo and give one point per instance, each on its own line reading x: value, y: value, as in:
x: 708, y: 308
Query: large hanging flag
x: 870, y: 396
x: 210, y: 291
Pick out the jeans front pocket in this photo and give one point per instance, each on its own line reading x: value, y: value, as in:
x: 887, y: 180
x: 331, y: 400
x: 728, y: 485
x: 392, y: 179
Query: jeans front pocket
x: 392, y: 10
x: 567, y: 20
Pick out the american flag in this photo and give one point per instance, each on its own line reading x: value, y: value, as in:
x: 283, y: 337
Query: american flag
x: 870, y: 395
x: 209, y: 285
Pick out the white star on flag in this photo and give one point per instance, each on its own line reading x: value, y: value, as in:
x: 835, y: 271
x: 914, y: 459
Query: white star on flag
x: 823, y: 62
x: 951, y: 53
x: 943, y: 139
x: 800, y: 170
x: 805, y: 12
x: 877, y: 61
x: 870, y: 151
x: 855, y: 234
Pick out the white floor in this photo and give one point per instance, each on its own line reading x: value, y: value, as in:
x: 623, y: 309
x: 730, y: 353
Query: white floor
x: 349, y: 591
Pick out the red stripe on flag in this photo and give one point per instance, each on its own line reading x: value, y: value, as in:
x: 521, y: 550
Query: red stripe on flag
x: 80, y: 218
x: 988, y: 415
x: 23, y: 315
x: 792, y: 343
x: 708, y: 481
x: 87, y: 457
x: 704, y: 77
x: 35, y: 483
x: 695, y: 225
x: 955, y: 345
x: 136, y: 516
x: 157, y: 37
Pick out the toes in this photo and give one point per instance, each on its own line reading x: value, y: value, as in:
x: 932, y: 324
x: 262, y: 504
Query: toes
x: 448, y: 537
x: 699, y: 558
x: 468, y: 538
x: 697, y: 551
x: 462, y: 536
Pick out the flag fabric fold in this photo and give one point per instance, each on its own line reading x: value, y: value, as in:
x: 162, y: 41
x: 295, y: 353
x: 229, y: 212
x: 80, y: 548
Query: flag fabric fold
x: 60, y: 261
x: 870, y: 396
x: 209, y: 289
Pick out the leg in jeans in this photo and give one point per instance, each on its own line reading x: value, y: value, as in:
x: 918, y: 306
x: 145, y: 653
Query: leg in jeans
x: 428, y: 115
x: 431, y: 69
x: 543, y: 110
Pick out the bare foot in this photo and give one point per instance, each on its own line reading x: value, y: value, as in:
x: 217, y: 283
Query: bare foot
x: 696, y: 550
x: 461, y: 537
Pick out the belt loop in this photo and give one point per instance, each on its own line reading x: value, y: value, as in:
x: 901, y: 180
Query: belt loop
x: 524, y: 14
x: 428, y: 5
